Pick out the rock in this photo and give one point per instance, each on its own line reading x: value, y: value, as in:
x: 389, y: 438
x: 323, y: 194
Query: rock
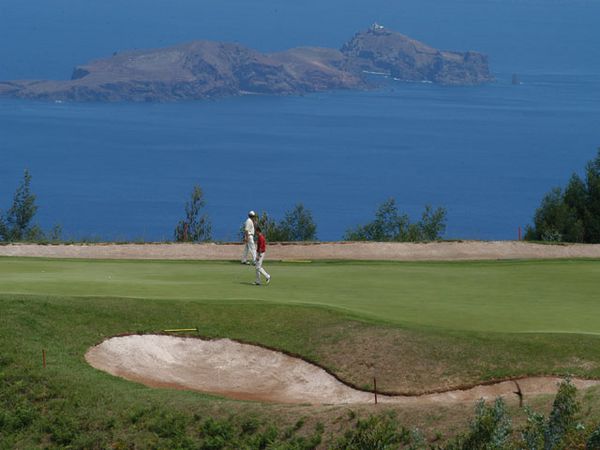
x: 206, y: 69
x: 379, y: 50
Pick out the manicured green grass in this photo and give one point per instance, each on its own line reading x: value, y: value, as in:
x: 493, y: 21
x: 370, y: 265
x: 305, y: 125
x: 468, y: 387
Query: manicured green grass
x: 500, y: 296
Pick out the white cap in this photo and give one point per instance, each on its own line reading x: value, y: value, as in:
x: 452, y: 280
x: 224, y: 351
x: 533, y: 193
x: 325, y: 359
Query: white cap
x: 251, y: 213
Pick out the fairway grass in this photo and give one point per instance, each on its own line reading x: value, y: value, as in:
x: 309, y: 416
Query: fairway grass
x: 494, y: 296
x: 417, y: 326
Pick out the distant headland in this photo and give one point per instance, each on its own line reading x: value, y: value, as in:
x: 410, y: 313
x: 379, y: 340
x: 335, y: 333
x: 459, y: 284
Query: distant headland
x: 208, y: 69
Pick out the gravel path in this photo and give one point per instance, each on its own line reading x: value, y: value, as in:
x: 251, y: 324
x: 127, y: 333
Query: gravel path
x: 440, y: 251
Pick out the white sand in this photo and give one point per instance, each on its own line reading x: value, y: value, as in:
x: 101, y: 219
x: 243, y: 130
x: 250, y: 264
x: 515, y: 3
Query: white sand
x: 249, y: 372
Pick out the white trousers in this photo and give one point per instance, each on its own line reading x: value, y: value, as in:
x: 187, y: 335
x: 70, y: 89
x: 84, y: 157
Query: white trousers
x: 259, y: 268
x: 249, y: 247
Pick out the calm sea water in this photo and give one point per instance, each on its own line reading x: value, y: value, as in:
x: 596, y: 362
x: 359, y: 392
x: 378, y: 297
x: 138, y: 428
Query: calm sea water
x: 124, y: 171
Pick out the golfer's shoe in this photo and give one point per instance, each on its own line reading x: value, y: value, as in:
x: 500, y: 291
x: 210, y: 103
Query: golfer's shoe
x: 268, y: 280
x: 256, y: 283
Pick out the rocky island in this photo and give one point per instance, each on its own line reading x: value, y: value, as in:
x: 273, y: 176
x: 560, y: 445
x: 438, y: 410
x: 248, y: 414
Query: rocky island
x: 207, y: 69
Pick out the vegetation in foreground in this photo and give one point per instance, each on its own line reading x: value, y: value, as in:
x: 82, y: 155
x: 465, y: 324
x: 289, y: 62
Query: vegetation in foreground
x: 70, y: 404
x: 491, y: 428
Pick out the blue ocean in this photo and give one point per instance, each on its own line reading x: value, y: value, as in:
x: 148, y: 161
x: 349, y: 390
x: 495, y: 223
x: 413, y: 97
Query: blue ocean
x: 487, y: 154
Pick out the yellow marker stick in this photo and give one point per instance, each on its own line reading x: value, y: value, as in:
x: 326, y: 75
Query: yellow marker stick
x: 180, y: 329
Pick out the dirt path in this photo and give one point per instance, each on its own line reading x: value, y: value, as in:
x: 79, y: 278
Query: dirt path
x: 440, y: 251
x: 248, y: 372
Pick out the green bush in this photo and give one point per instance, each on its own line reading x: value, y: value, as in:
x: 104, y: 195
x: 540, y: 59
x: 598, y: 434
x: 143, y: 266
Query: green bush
x: 490, y: 429
x: 15, y: 225
x: 196, y: 226
x: 572, y: 214
x: 389, y: 225
x: 297, y: 225
x: 380, y: 432
x: 561, y: 429
x: 593, y: 442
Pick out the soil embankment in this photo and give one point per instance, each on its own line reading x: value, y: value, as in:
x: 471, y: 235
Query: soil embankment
x: 392, y: 251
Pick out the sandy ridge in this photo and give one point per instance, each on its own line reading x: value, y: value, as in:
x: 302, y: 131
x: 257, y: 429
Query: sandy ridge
x: 393, y: 251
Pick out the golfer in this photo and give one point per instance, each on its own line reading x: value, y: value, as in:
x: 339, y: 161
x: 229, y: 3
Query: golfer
x: 249, y: 246
x: 260, y: 255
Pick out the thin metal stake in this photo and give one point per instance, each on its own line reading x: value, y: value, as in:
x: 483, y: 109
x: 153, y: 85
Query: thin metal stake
x: 375, y: 388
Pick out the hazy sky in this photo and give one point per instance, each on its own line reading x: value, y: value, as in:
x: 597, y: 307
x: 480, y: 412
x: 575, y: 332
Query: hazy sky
x: 46, y: 38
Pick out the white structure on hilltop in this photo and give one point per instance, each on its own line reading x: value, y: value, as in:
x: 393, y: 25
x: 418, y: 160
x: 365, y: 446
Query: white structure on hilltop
x: 376, y: 26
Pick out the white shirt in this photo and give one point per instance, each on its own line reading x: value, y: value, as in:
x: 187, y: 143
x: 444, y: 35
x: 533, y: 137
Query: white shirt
x: 249, y: 227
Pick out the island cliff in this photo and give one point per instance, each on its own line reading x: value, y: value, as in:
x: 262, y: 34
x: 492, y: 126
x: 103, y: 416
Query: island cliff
x: 206, y: 69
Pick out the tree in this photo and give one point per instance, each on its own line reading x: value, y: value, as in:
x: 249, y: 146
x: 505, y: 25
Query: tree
x: 196, y: 226
x: 391, y: 226
x: 388, y: 225
x: 572, y: 215
x: 298, y: 225
x: 270, y: 228
x: 591, y: 217
x: 16, y: 224
x: 555, y: 220
x: 432, y: 224
x: 560, y: 429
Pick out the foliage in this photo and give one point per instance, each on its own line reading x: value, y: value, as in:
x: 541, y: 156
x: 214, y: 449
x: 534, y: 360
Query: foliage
x: 432, y: 224
x: 390, y: 225
x: 296, y: 225
x: 196, y: 226
x: 380, y: 432
x: 593, y: 442
x: 16, y: 223
x: 34, y: 413
x: 490, y: 429
x: 572, y: 214
x: 270, y: 228
x: 561, y: 429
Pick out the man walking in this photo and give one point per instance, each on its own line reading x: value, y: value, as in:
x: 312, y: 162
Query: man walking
x: 249, y: 239
x: 260, y: 255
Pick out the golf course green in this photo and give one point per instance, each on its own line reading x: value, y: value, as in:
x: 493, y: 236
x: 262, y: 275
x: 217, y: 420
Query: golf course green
x: 497, y: 296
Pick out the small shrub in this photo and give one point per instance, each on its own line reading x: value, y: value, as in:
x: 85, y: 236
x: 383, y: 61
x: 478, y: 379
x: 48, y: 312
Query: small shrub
x: 250, y: 425
x: 489, y: 430
x: 593, y: 442
x: 561, y: 428
x: 563, y: 417
x: 216, y: 434
x: 376, y: 432
x: 168, y: 425
x: 389, y: 225
x: 196, y: 226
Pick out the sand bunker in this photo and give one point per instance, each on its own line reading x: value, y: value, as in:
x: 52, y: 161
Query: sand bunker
x: 249, y: 372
